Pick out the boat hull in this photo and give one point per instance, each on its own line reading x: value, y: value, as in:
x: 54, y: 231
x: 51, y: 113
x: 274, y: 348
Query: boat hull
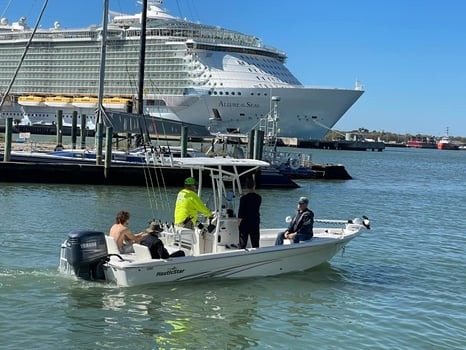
x: 447, y: 146
x: 421, y: 144
x: 266, y: 261
x: 305, y: 113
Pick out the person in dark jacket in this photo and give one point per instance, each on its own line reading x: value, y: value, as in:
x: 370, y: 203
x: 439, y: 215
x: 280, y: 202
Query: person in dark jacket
x: 155, y: 245
x: 301, y: 225
x: 249, y: 216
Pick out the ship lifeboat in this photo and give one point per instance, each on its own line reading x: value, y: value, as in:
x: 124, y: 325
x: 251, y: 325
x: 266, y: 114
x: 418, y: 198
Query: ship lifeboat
x: 58, y: 101
x: 31, y: 100
x: 85, y: 102
x: 116, y: 103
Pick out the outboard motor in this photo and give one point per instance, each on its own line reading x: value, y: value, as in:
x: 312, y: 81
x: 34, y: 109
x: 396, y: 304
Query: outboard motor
x: 86, y: 252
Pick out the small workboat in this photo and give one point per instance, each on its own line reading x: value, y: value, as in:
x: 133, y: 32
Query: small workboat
x: 211, y: 248
x: 447, y: 142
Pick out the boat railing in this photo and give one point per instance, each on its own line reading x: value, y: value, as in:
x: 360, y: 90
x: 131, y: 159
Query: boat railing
x: 182, y: 238
x: 293, y: 159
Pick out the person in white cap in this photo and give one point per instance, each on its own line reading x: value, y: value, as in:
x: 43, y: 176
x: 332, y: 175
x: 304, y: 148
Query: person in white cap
x: 301, y: 225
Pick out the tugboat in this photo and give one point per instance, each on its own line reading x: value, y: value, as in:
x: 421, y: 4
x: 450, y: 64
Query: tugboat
x: 422, y: 142
x: 446, y: 142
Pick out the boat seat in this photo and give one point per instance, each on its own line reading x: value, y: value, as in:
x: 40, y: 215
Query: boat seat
x: 142, y: 252
x: 112, y: 247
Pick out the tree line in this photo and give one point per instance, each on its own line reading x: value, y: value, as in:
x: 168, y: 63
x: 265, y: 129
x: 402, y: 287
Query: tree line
x: 384, y: 136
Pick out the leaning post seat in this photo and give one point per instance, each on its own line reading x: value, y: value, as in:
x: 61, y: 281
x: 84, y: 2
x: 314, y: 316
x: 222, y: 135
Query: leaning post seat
x: 112, y: 247
x: 142, y: 252
x: 187, y: 240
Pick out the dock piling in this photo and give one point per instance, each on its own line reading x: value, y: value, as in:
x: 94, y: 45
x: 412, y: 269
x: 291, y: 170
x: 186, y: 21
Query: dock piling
x: 184, y: 141
x: 108, y: 151
x: 8, y: 131
x: 98, y: 138
x: 83, y: 131
x: 74, y: 127
x: 59, y: 129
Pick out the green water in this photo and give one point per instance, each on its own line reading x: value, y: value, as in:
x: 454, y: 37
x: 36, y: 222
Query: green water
x: 399, y: 286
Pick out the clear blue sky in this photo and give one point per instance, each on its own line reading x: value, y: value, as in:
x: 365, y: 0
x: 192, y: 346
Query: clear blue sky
x: 410, y: 55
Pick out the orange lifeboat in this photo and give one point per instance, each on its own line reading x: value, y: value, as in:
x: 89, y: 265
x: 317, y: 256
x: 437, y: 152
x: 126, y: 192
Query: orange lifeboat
x: 116, y: 102
x: 31, y: 100
x: 58, y: 101
x: 85, y: 102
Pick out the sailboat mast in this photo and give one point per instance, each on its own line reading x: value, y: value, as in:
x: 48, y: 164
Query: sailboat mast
x: 103, y: 53
x: 142, y: 57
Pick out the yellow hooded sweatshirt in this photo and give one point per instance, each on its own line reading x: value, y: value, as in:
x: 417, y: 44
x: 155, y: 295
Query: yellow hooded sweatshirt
x: 188, y: 204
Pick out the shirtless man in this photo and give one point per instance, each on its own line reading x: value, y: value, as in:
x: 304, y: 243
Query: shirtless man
x: 122, y: 234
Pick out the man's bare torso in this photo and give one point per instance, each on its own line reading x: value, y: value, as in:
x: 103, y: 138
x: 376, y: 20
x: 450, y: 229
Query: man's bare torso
x: 118, y: 232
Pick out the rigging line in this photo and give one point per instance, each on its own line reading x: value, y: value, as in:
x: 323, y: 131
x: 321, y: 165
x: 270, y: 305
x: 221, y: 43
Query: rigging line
x: 24, y: 54
x: 159, y: 154
x: 6, y: 8
x: 157, y: 163
x: 164, y: 132
x: 156, y: 204
x: 153, y: 203
x: 148, y: 187
x: 160, y: 180
x: 155, y: 154
x: 165, y: 192
x: 326, y: 127
x: 131, y: 80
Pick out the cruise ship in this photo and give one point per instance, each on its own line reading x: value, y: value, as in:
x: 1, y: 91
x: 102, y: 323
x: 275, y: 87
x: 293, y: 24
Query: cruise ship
x: 194, y: 73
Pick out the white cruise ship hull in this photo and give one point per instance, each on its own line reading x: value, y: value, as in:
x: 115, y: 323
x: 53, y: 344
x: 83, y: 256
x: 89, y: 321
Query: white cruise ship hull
x: 305, y: 113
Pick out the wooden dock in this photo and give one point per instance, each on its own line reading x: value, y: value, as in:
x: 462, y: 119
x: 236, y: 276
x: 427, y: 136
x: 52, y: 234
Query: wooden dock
x: 346, y: 145
x: 121, y: 175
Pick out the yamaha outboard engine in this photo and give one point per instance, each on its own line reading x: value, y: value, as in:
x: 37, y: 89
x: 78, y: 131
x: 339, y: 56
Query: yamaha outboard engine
x: 86, y: 252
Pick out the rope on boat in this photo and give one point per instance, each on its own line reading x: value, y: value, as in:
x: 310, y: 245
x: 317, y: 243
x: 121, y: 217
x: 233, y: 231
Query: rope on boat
x: 329, y: 221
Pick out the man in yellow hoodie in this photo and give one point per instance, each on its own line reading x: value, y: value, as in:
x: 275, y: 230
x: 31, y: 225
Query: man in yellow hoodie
x: 188, y: 204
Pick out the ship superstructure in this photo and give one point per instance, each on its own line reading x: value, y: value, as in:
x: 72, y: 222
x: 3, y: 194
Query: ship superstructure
x: 194, y: 73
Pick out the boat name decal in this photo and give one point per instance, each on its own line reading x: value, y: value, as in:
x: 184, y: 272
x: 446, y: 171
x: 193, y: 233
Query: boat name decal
x: 238, y: 105
x: 173, y: 271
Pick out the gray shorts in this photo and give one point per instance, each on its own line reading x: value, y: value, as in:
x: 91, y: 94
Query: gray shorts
x: 127, y: 248
x: 188, y: 225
